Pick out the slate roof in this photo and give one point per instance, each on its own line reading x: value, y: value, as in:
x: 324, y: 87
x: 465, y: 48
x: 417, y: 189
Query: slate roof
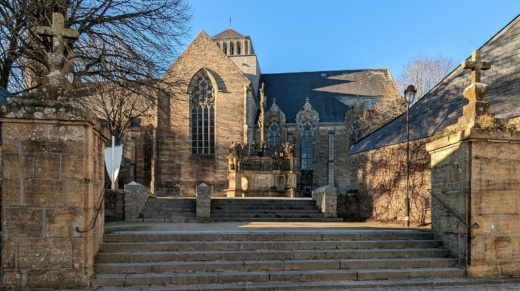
x: 228, y: 33
x: 4, y: 94
x: 442, y: 106
x: 323, y: 88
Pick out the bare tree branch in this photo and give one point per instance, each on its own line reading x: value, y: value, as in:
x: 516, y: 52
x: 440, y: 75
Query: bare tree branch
x: 424, y: 73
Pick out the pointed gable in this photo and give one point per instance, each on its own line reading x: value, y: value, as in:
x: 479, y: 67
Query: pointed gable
x: 204, y: 53
x: 442, y: 106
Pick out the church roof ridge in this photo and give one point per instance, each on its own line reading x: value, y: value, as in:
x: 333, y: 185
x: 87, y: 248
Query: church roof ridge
x: 228, y: 33
x: 329, y: 71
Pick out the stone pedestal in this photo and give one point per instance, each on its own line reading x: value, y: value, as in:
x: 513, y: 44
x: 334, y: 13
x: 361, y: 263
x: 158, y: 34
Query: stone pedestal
x: 475, y: 172
x: 326, y: 198
x: 135, y: 199
x: 203, y: 208
x: 53, y: 176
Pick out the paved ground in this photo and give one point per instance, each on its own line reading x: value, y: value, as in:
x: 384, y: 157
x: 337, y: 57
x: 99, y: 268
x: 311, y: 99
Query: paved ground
x: 251, y: 226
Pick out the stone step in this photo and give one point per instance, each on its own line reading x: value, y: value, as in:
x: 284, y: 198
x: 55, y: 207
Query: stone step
x: 273, y: 265
x: 281, y: 219
x: 270, y: 276
x: 265, y: 245
x: 266, y: 236
x: 267, y: 215
x: 170, y: 256
x: 167, y: 214
x: 435, y: 283
x: 247, y: 209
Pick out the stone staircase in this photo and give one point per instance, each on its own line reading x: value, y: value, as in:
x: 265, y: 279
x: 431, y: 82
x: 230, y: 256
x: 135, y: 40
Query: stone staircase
x: 169, y: 210
x: 270, y: 260
x: 266, y: 209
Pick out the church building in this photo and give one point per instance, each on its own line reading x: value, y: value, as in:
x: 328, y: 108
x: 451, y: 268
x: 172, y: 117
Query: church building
x: 219, y: 102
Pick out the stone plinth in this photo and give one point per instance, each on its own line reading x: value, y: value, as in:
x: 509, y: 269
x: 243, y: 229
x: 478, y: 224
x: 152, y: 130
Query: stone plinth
x: 326, y: 198
x: 53, y: 176
x: 475, y: 172
x: 261, y: 177
x: 203, y: 208
x: 135, y: 198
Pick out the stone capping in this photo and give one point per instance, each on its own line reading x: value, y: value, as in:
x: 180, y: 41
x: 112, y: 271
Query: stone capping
x: 326, y: 198
x: 474, y: 133
x: 135, y: 198
x: 41, y: 106
x: 203, y: 201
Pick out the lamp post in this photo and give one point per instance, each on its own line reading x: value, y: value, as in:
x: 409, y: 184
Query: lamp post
x: 409, y: 97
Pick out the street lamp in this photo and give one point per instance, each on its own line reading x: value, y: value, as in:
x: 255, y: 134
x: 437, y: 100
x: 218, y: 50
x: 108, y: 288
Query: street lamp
x: 409, y: 97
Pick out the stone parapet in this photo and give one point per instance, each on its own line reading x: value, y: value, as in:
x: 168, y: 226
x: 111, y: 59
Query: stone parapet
x: 135, y: 199
x: 53, y: 177
x: 203, y: 206
x: 326, y: 198
x: 475, y: 173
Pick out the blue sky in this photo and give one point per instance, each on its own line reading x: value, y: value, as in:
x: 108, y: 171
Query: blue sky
x: 305, y: 35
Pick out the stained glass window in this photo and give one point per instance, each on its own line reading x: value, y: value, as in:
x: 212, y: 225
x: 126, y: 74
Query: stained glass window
x: 307, y: 149
x: 274, y: 134
x: 202, y: 115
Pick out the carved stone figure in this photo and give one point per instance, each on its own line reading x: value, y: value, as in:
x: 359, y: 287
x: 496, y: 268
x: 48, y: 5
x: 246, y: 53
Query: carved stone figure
x: 232, y: 149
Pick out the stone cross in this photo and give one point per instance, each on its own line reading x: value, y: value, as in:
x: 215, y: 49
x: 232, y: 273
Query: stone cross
x: 58, y: 32
x: 59, y: 66
x: 476, y: 66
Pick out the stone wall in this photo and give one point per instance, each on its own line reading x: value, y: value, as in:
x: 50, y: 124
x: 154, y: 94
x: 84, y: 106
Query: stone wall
x: 379, y: 176
x: 52, y: 185
x: 475, y: 173
x: 114, y: 205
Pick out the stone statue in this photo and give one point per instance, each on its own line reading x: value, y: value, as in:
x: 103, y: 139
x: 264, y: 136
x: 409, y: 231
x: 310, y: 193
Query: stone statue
x: 232, y: 149
x: 255, y: 149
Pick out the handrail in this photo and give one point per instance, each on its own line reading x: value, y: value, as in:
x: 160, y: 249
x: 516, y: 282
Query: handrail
x: 475, y: 225
x: 95, y: 218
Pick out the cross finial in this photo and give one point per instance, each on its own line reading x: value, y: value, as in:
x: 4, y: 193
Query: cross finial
x: 58, y: 32
x: 476, y: 66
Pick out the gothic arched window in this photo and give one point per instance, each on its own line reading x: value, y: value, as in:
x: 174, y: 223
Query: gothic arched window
x: 202, y: 103
x: 307, y: 149
x: 273, y: 134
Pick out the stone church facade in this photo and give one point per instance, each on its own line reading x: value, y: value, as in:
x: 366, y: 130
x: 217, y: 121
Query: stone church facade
x: 218, y: 102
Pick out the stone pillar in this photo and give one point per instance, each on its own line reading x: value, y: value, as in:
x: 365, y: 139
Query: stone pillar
x: 476, y: 173
x: 135, y: 199
x: 326, y: 198
x: 53, y: 161
x: 203, y: 201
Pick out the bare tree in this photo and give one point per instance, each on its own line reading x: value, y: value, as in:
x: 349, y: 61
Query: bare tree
x: 137, y: 38
x: 119, y: 106
x: 424, y: 73
x: 362, y: 121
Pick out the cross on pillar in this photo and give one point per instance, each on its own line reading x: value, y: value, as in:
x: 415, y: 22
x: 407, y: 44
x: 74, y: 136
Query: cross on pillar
x: 476, y: 66
x: 58, y: 32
